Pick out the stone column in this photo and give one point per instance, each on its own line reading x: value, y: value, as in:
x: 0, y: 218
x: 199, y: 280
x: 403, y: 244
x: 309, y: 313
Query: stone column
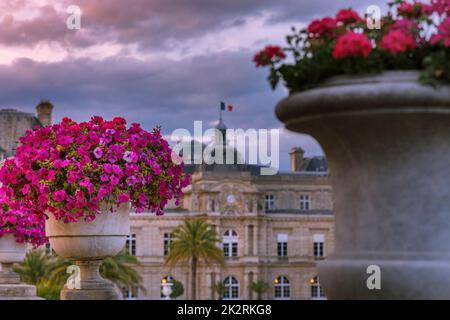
x: 246, y: 287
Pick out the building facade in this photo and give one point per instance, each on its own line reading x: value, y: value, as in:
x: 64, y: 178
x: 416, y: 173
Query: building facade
x: 272, y: 228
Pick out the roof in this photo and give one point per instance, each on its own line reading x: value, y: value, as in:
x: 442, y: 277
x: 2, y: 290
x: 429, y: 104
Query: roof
x: 19, y: 114
x: 314, y: 164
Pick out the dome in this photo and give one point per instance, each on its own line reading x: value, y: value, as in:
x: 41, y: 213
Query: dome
x: 221, y: 126
x: 193, y: 150
x: 224, y: 150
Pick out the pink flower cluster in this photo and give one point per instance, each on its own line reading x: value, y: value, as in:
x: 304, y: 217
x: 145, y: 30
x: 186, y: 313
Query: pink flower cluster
x: 69, y: 168
x: 350, y: 37
x: 17, y: 220
x: 352, y: 44
x: 332, y: 27
x: 398, y: 41
x: 443, y: 35
x: 269, y: 55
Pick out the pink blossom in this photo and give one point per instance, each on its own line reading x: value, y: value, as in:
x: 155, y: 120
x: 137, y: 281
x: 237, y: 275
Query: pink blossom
x: 114, y: 180
x: 123, y: 198
x: 26, y: 189
x: 59, y: 196
x: 352, y: 44
x: 443, y: 35
x: 64, y: 141
x: 60, y: 164
x: 398, y: 41
x: 98, y: 153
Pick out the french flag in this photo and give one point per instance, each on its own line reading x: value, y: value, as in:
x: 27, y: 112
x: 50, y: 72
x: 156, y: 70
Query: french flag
x: 223, y: 107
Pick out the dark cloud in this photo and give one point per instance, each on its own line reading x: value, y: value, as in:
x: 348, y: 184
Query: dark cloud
x: 48, y: 26
x: 154, y: 92
x: 158, y: 24
x: 160, y: 88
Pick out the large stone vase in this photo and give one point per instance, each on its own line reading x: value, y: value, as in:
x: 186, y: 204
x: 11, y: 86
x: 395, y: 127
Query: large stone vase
x: 88, y: 244
x: 11, y: 288
x: 387, y: 140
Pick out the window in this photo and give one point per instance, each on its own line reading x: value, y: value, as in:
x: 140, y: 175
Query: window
x: 130, y: 293
x: 319, y: 240
x: 231, y: 288
x: 316, y: 289
x: 131, y: 244
x: 282, y: 244
x: 269, y: 202
x: 282, y: 288
x: 230, y: 243
x: 305, y: 202
x: 167, y: 242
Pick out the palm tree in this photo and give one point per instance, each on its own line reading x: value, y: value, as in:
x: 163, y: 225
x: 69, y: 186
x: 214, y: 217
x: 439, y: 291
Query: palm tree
x: 36, y: 266
x: 49, y: 274
x: 220, y: 288
x: 118, y: 269
x: 259, y: 287
x: 194, y: 241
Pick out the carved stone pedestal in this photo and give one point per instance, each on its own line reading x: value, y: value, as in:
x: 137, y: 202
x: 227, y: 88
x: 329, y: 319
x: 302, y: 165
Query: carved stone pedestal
x: 91, y: 285
x: 88, y: 244
x: 10, y: 287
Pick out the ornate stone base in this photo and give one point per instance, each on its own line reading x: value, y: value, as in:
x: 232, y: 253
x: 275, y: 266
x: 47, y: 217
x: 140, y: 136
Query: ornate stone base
x: 18, y: 292
x: 91, y: 294
x: 386, y: 139
x: 92, y: 286
x: 401, y: 276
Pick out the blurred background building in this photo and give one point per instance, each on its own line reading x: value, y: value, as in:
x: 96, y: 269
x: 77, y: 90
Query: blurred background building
x: 272, y: 228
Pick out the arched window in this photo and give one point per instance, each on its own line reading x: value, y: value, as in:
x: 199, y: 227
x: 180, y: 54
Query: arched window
x: 230, y: 243
x: 282, y: 288
x: 316, y: 289
x: 231, y: 288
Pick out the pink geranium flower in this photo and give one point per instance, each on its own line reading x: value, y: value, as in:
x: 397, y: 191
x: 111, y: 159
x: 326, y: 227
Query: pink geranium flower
x: 398, y: 41
x: 352, y: 44
x: 443, y: 35
x: 348, y: 16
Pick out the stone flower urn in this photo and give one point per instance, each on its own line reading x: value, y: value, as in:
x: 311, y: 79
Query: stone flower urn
x: 387, y: 140
x: 88, y: 244
x: 10, y: 286
x: 167, y: 290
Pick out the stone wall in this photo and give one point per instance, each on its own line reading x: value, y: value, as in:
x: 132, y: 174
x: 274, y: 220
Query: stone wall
x: 14, y: 124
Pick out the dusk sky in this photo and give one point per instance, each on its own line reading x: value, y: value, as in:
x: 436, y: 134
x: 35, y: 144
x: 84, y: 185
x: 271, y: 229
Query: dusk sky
x: 157, y: 62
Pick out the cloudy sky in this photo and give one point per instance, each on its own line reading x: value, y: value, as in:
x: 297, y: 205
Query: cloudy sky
x: 157, y: 62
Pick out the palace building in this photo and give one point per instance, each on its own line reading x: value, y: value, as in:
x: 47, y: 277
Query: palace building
x: 273, y: 228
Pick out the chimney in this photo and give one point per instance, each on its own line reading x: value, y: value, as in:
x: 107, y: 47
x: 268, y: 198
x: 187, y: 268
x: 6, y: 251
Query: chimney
x: 296, y: 156
x: 44, y: 112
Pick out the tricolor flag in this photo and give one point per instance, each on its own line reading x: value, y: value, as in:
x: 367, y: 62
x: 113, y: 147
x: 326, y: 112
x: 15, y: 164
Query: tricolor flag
x: 223, y: 107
